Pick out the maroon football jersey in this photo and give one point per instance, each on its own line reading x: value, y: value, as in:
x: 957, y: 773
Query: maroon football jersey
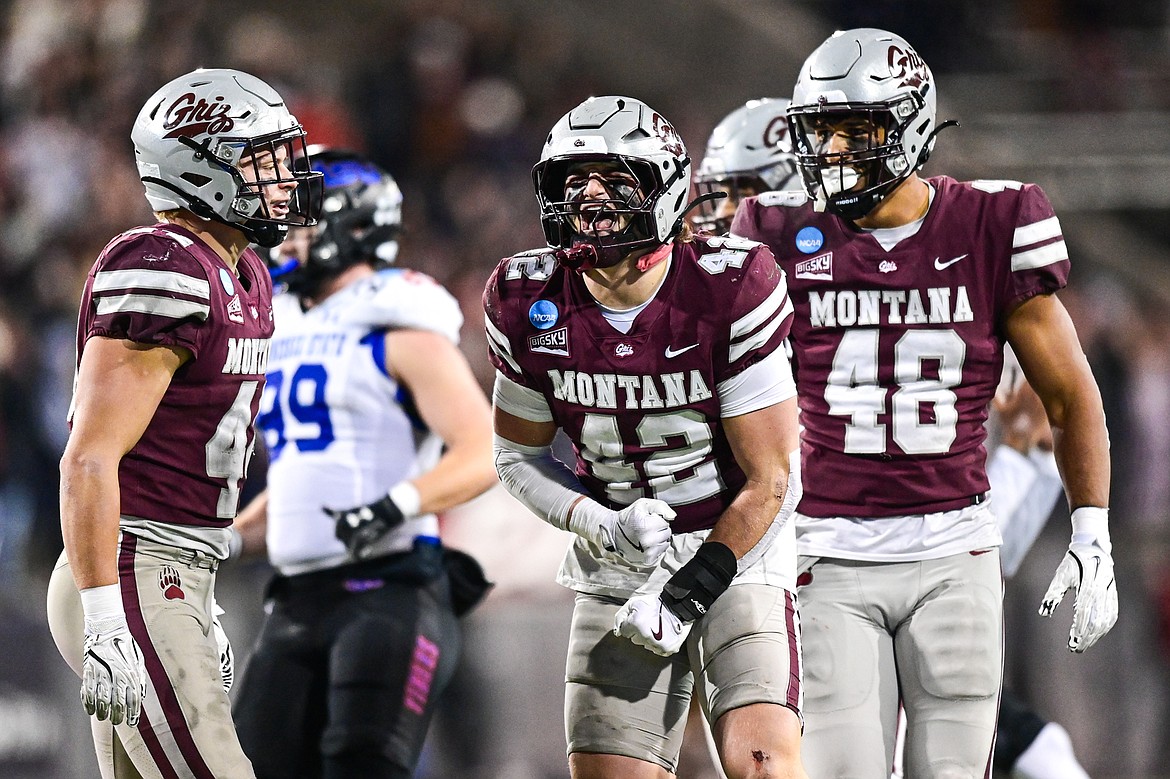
x: 642, y: 408
x: 162, y: 285
x: 897, y: 354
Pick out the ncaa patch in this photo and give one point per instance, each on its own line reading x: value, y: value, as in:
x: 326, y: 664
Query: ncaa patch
x: 555, y: 342
x: 543, y: 314
x: 816, y: 268
x: 809, y: 240
x: 170, y: 583
x: 225, y: 278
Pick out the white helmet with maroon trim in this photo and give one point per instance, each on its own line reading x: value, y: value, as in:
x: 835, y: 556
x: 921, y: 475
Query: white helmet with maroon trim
x: 196, y: 134
x: 638, y: 140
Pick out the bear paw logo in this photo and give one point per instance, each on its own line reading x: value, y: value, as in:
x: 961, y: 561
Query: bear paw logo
x: 169, y: 583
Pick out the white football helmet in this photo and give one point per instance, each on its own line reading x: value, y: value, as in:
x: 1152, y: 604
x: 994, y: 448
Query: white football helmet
x: 876, y: 77
x: 195, y: 134
x: 628, y: 133
x: 749, y: 152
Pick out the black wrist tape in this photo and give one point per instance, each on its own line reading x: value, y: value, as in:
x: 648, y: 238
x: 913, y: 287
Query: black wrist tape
x: 691, y: 591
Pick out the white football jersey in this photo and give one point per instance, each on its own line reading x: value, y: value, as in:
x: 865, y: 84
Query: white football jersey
x: 340, y: 431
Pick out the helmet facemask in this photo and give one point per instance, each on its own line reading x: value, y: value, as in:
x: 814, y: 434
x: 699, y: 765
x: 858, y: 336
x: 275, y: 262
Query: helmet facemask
x: 869, y: 160
x: 613, y: 227
x: 260, y: 164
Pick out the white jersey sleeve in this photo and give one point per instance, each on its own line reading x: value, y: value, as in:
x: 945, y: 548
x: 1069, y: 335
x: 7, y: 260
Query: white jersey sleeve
x: 407, y: 299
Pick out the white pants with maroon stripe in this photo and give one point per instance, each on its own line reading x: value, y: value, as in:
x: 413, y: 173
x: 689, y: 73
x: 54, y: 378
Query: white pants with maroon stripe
x: 927, y: 633
x: 186, y: 729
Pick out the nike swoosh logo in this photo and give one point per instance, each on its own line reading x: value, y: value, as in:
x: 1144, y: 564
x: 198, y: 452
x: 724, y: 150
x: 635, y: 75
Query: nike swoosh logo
x: 944, y: 265
x: 676, y: 352
x: 629, y: 540
x: 658, y: 633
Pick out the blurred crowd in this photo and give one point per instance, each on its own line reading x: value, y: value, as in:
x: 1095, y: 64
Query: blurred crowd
x: 454, y: 97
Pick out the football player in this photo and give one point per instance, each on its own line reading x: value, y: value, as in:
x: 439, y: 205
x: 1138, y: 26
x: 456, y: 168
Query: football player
x: 748, y: 153
x: 905, y: 290
x: 374, y: 424
x: 658, y: 354
x: 172, y: 340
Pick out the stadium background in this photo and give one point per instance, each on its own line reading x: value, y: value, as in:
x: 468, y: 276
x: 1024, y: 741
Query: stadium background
x: 454, y: 98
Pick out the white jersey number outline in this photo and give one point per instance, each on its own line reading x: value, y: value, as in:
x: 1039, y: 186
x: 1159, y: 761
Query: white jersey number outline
x: 227, y: 453
x: 680, y: 441
x: 852, y: 390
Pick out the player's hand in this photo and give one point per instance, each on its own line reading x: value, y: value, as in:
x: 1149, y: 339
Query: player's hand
x: 639, y: 533
x: 113, y: 677
x: 361, y: 526
x: 227, y: 658
x: 646, y: 621
x: 1086, y: 568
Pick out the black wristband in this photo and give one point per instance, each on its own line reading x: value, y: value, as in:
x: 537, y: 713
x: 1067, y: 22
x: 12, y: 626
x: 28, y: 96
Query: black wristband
x: 692, y: 590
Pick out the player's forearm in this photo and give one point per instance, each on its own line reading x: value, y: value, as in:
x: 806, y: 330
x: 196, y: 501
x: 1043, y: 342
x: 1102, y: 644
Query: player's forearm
x: 1081, y: 445
x: 747, y: 519
x: 252, y: 525
x: 464, y: 472
x: 90, y: 505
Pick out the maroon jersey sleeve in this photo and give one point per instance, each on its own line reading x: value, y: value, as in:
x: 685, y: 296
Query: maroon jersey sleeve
x: 760, y: 316
x: 1039, y: 255
x: 146, y: 287
x: 512, y: 287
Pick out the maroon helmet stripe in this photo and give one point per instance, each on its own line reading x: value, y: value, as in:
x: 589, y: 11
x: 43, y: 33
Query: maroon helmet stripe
x: 176, y: 723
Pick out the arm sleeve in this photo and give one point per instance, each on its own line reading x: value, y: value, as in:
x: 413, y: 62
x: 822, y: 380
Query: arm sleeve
x: 538, y: 480
x: 763, y: 384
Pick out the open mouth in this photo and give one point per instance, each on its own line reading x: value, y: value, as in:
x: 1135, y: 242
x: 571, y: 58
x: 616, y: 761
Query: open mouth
x: 599, y: 220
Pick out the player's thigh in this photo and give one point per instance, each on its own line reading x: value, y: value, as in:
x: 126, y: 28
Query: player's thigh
x: 388, y: 666
x: 186, y: 726
x: 748, y: 647
x: 280, y: 702
x: 66, y: 619
x: 621, y: 699
x: 851, y: 693
x: 951, y: 648
x: 950, y: 662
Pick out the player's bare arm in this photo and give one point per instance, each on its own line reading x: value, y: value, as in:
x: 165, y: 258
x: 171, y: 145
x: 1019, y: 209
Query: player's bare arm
x: 523, y: 431
x: 454, y: 407
x: 252, y: 525
x: 761, y: 441
x: 1050, y: 353
x: 120, y: 384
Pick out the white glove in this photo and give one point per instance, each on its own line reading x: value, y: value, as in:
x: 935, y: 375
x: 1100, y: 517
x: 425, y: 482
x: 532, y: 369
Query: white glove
x: 113, y: 677
x: 227, y: 658
x: 1087, y: 568
x: 648, y: 623
x: 639, y: 534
